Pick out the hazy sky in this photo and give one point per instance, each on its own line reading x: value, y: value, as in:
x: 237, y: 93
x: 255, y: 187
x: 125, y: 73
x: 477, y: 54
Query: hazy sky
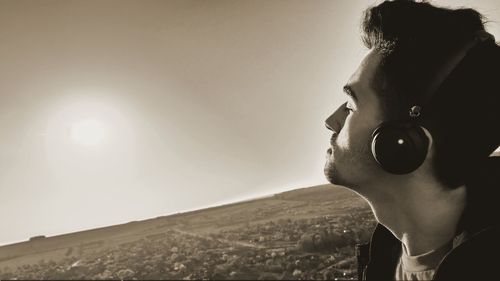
x: 112, y: 111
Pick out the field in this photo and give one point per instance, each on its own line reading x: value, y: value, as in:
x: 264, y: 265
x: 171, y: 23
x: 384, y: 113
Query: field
x: 307, y: 233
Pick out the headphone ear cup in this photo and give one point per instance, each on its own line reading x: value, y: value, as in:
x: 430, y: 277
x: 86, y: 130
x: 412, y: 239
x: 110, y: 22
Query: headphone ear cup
x: 399, y: 147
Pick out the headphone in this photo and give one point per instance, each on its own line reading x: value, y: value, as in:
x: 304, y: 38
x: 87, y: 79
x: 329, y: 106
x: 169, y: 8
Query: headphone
x: 400, y: 146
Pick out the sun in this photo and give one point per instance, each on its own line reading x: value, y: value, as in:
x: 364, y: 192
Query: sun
x: 88, y: 132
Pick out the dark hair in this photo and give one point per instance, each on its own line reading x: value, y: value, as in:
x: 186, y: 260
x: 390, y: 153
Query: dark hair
x: 415, y: 39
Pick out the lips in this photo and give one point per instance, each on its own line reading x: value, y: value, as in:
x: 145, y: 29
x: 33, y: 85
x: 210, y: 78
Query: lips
x: 333, y: 138
x: 332, y: 142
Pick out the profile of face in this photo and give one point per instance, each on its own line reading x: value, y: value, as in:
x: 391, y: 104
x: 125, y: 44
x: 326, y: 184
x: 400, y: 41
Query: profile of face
x: 349, y: 159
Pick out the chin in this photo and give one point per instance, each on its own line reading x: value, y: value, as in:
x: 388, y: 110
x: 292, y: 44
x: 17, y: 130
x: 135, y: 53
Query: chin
x: 332, y: 174
x: 336, y: 176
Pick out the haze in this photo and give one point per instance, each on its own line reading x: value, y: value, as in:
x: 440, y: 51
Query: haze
x: 113, y: 111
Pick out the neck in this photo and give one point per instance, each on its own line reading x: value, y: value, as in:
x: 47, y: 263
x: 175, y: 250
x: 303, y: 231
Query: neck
x: 423, y: 215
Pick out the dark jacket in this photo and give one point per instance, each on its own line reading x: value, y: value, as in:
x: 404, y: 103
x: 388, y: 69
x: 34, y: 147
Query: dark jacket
x: 476, y: 258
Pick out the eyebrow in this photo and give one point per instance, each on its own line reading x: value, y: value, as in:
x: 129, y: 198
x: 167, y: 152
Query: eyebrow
x: 350, y: 92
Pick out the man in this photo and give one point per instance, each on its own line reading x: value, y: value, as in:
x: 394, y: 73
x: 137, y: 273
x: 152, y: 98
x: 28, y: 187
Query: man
x: 414, y: 139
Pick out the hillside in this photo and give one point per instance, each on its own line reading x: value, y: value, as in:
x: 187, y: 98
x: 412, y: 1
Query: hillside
x: 322, y: 222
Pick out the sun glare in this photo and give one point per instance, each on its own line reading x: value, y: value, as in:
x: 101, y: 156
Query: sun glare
x: 88, y: 132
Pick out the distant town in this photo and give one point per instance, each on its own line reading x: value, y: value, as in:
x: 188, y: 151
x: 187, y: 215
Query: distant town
x: 308, y: 233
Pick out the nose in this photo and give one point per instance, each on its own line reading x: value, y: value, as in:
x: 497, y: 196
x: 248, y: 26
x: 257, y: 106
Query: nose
x: 335, y: 122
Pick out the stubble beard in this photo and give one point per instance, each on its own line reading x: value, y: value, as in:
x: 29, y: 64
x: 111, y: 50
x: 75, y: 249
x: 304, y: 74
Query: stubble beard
x: 348, y: 167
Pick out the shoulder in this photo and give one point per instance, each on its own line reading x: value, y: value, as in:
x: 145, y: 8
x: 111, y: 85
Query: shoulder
x: 474, y: 259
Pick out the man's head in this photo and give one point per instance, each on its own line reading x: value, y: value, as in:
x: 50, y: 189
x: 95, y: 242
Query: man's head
x: 409, y: 43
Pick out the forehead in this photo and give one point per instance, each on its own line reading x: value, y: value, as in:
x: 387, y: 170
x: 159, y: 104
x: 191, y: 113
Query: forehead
x: 361, y: 80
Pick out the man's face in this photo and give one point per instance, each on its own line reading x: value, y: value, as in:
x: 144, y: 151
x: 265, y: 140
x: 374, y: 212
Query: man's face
x: 349, y: 160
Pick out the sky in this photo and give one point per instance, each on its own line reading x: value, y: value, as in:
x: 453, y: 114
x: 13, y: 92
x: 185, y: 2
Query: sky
x: 117, y: 110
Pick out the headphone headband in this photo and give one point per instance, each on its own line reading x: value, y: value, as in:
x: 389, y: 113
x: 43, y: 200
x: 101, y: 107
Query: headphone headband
x: 400, y: 147
x: 480, y: 37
